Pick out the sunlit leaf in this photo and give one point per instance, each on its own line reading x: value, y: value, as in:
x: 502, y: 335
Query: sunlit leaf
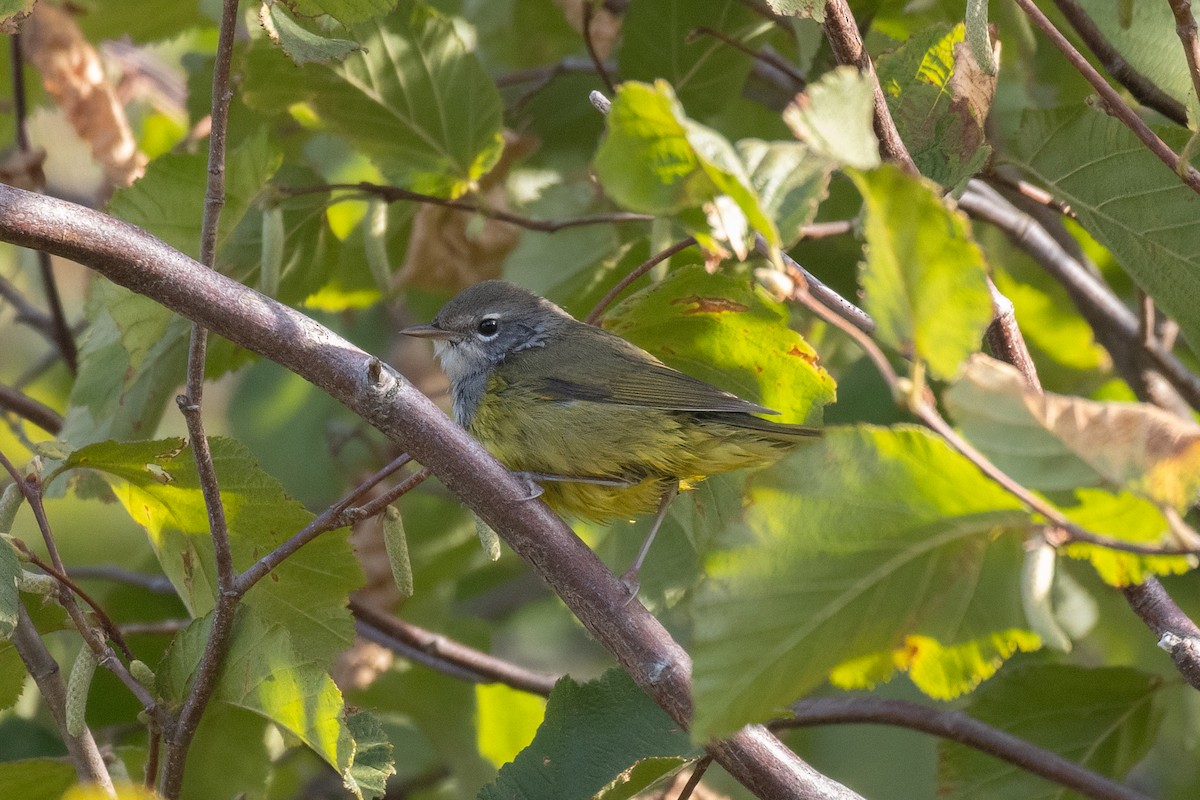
x: 1102, y: 719
x: 875, y: 549
x: 1126, y: 518
x: 923, y: 279
x: 834, y: 116
x: 727, y: 331
x: 508, y: 720
x: 593, y: 732
x: 655, y: 160
x: 345, y: 11
x: 939, y: 97
x: 790, y: 180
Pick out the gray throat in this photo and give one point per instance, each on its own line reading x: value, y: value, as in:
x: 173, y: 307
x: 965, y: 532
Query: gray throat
x: 467, y: 392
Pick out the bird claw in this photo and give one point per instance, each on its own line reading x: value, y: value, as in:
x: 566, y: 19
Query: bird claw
x: 533, y: 489
x: 630, y: 582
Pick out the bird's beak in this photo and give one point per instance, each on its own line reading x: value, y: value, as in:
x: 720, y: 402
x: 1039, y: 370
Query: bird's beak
x: 431, y: 332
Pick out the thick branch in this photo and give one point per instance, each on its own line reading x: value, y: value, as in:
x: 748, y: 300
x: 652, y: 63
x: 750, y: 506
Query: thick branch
x: 131, y: 257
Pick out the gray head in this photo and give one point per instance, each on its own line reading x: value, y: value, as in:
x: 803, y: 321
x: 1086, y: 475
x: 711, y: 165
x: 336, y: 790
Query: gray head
x: 482, y: 326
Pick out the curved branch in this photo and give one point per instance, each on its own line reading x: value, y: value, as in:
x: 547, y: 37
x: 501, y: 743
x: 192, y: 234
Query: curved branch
x: 958, y: 727
x: 132, y: 258
x: 26, y: 407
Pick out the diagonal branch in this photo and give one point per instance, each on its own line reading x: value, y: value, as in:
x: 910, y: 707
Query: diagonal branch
x: 129, y: 256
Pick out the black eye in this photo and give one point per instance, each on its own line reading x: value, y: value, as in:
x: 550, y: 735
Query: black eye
x: 488, y: 327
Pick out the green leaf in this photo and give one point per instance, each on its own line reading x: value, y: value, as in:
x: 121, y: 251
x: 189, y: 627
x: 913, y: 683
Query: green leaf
x: 12, y: 677
x: 507, y: 720
x: 10, y: 598
x: 302, y: 45
x: 168, y: 201
x: 345, y: 11
x: 939, y: 97
x: 924, y: 279
x: 415, y: 100
x: 655, y: 160
x: 158, y: 485
x: 593, y: 734
x: 12, y: 12
x: 1102, y: 719
x: 131, y: 357
x: 727, y: 331
x: 657, y: 42
x: 807, y: 9
x: 373, y: 764
x: 874, y: 549
x: 835, y: 116
x: 1125, y: 198
x: 36, y: 778
x: 266, y: 672
x: 791, y: 181
x: 234, y: 739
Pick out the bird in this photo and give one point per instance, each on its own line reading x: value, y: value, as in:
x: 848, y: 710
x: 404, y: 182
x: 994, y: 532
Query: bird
x: 606, y: 430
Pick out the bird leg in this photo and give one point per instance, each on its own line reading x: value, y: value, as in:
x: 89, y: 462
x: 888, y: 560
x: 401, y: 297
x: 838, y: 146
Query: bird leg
x: 629, y: 579
x: 532, y: 479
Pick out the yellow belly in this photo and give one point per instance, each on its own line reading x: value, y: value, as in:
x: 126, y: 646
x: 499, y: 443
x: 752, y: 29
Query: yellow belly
x: 652, y: 449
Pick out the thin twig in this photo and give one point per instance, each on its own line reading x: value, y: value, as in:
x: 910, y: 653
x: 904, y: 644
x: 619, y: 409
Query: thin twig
x: 158, y: 584
x: 1185, y: 27
x: 393, y: 194
x: 1112, y: 101
x: 770, y: 59
x: 85, y: 756
x: 594, y: 316
x: 26, y: 407
x: 31, y: 489
x: 694, y: 779
x: 110, y: 627
x: 217, y: 645
x: 481, y: 667
x: 1142, y: 88
x: 842, y: 32
x: 588, y: 10
x: 61, y: 330
x: 962, y: 729
x: 338, y: 515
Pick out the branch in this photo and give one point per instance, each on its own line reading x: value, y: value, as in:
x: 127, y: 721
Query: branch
x: 1112, y: 101
x: 445, y: 654
x: 1177, y: 633
x: 588, y: 10
x: 25, y: 406
x: 1185, y: 27
x: 85, y: 756
x: 594, y: 316
x: 1141, y: 87
x: 393, y: 194
x: 842, y: 32
x: 132, y: 258
x: 958, y: 727
x: 207, y: 671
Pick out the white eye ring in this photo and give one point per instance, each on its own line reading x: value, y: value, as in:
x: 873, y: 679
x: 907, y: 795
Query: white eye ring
x: 488, y: 328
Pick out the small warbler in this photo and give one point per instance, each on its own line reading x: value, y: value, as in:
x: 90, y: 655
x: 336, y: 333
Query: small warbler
x: 606, y: 429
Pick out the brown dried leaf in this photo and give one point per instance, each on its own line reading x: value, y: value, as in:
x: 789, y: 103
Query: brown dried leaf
x: 1131, y: 446
x: 73, y: 75
x: 23, y: 169
x: 14, y: 14
x: 605, y: 26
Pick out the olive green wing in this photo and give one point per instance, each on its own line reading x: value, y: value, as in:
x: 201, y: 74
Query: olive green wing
x: 607, y: 369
